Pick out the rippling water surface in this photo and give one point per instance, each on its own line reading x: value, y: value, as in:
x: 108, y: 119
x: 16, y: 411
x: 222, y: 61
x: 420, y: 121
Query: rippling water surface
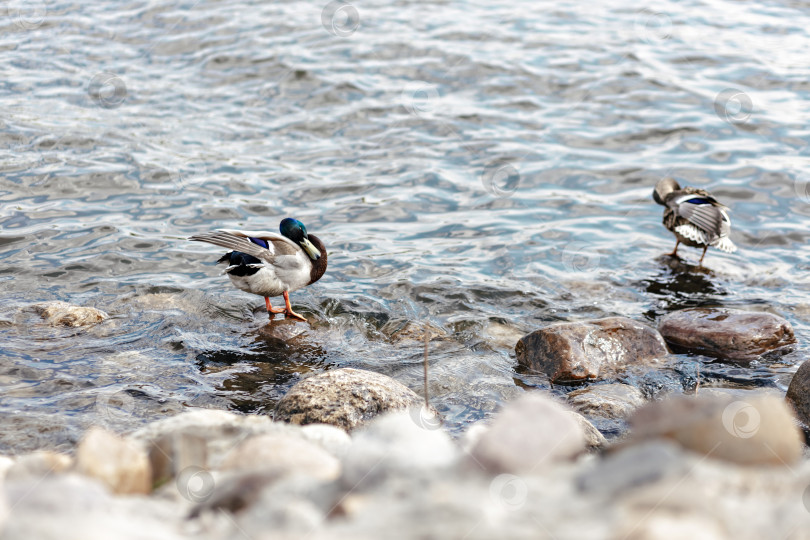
x: 483, y: 167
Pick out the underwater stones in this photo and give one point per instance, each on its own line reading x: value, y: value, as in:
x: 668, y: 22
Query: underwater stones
x: 616, y: 400
x: 798, y: 393
x: 576, y: 351
x: 529, y: 434
x: 759, y: 430
x: 120, y: 464
x: 725, y: 333
x: 64, y: 314
x: 345, y: 398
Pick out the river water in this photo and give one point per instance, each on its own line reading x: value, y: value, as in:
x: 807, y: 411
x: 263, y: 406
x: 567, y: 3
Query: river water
x: 482, y: 167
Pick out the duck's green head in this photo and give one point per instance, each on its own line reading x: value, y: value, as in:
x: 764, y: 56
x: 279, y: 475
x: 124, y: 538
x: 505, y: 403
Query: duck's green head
x: 297, y: 232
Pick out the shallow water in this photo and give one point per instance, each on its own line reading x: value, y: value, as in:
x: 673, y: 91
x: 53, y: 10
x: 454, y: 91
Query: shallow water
x: 483, y: 168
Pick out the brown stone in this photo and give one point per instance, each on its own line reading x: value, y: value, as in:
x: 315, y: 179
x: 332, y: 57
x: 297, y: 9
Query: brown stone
x: 589, y: 350
x: 725, y: 333
x: 346, y: 398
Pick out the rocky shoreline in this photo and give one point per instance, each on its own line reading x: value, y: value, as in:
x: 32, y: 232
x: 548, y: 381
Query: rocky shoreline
x: 353, y: 453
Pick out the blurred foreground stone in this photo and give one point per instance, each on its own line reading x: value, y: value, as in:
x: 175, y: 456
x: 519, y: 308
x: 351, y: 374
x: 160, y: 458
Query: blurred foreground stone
x: 725, y: 333
x: 594, y: 349
x: 759, y: 430
x: 529, y: 434
x: 121, y: 465
x: 346, y: 398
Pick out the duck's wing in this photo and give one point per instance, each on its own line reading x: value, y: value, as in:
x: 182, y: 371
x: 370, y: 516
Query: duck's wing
x: 705, y: 213
x: 277, y: 246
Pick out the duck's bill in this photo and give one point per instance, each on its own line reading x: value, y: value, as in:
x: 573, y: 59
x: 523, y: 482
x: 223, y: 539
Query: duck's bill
x: 310, y: 250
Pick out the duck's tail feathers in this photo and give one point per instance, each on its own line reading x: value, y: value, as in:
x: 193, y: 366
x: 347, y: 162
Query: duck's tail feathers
x: 724, y: 243
x: 692, y: 233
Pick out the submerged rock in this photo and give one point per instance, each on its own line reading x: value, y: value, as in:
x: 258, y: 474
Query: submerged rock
x: 121, y: 465
x: 594, y: 439
x: 798, y: 394
x: 725, y: 333
x: 589, y: 350
x: 756, y: 431
x: 64, y: 314
x: 616, y: 400
x: 345, y: 398
x: 529, y: 434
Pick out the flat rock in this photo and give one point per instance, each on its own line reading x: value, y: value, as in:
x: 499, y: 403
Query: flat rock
x: 616, y: 400
x: 121, y: 465
x: 345, y: 398
x: 725, y: 333
x: 64, y: 314
x: 576, y: 351
x: 284, y: 454
x: 798, y: 394
x: 759, y: 430
x: 529, y: 434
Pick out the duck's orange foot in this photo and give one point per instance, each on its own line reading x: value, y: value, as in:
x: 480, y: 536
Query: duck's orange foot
x: 293, y: 315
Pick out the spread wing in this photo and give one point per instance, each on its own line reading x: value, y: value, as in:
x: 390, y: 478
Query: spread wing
x: 706, y: 214
x: 278, y: 247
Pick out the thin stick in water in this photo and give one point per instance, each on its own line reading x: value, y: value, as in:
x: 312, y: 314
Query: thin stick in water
x: 427, y: 341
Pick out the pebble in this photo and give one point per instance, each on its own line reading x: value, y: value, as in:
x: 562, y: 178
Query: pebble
x: 284, y: 454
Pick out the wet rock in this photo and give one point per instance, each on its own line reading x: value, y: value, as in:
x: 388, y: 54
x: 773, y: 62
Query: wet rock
x: 589, y: 350
x: 394, y: 444
x: 757, y: 431
x: 725, y: 333
x: 284, y: 454
x: 529, y: 434
x: 38, y: 465
x: 64, y: 314
x: 614, y: 400
x: 175, y: 452
x: 345, y: 398
x: 798, y: 394
x: 594, y: 440
x: 120, y: 464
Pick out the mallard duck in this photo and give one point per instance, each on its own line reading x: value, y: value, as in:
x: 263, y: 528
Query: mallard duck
x: 694, y: 217
x: 270, y: 264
